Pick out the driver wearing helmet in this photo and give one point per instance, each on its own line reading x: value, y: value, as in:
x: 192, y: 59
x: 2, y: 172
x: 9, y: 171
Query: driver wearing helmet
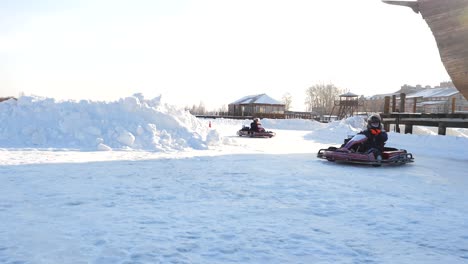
x: 376, y: 136
x: 256, y: 126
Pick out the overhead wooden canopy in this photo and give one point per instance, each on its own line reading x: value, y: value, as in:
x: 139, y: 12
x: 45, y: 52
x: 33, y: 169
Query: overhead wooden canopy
x: 448, y: 21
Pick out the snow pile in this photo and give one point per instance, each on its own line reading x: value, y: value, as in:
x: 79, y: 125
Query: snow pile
x: 129, y: 123
x: 336, y: 131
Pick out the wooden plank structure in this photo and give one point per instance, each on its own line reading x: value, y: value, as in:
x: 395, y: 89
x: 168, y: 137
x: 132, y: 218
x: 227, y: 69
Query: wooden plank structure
x: 347, y: 105
x: 440, y: 120
x: 448, y: 21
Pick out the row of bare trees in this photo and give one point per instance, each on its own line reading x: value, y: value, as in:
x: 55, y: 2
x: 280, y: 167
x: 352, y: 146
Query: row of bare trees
x: 200, y: 109
x: 320, y: 98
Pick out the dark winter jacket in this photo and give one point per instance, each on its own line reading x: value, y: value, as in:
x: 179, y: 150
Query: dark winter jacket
x: 256, y: 126
x: 376, y: 138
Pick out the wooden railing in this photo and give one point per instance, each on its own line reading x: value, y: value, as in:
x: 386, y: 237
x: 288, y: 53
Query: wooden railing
x: 441, y: 121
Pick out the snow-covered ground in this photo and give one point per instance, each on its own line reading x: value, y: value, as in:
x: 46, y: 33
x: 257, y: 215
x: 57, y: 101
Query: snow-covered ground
x: 139, y: 181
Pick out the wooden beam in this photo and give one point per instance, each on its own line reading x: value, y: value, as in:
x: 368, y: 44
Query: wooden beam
x: 402, y: 102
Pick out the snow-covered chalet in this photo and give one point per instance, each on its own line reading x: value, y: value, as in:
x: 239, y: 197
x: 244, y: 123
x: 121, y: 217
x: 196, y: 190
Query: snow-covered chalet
x: 259, y: 105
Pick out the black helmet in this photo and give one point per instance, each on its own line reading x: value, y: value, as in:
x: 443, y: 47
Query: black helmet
x: 374, y: 122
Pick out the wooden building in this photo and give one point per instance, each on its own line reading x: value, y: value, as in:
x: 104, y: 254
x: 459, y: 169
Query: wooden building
x: 444, y: 98
x: 260, y: 105
x: 436, y: 100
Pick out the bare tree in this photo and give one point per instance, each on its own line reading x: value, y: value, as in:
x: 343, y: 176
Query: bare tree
x: 223, y: 109
x: 197, y: 110
x: 321, y: 97
x: 373, y: 104
x: 287, y: 100
x: 201, y: 108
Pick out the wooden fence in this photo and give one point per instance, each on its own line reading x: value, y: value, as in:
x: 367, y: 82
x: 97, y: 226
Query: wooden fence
x: 440, y: 120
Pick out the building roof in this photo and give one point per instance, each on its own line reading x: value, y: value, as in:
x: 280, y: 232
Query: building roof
x: 431, y: 103
x: 258, y: 99
x: 380, y: 96
x: 434, y: 92
x: 349, y: 94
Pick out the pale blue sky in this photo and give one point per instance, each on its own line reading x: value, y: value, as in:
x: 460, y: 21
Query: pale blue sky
x: 215, y: 51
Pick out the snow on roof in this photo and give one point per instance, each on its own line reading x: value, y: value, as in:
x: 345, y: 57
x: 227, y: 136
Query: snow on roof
x: 431, y: 103
x: 435, y: 92
x: 380, y: 96
x: 348, y: 94
x: 257, y: 99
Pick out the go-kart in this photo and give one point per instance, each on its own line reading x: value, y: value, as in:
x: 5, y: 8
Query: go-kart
x: 352, y: 152
x: 247, y: 132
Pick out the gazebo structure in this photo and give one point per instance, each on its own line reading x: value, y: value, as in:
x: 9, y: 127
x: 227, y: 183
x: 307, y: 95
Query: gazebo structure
x: 347, y: 105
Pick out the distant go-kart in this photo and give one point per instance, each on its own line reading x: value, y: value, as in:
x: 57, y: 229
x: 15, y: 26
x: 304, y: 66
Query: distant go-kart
x: 245, y: 131
x: 349, y: 153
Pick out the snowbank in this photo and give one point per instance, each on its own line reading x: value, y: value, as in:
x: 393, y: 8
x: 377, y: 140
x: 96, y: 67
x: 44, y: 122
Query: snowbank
x: 129, y: 123
x: 336, y: 131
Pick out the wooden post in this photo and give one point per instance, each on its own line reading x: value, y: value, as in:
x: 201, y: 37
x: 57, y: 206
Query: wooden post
x: 408, y: 129
x: 453, y: 104
x: 386, y: 111
x: 415, y: 101
x: 442, y: 129
x: 393, y: 103
x: 402, y: 102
